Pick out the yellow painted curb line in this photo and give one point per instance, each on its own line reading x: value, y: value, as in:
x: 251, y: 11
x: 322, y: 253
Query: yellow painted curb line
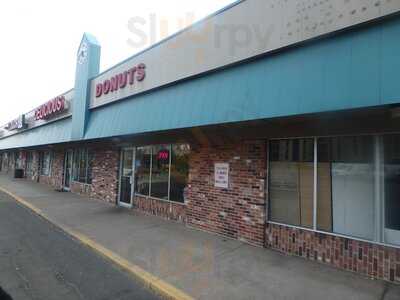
x: 165, y: 289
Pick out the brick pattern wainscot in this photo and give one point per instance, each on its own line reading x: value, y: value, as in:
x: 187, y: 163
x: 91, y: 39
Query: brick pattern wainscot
x: 236, y: 212
x: 374, y: 261
x: 165, y: 209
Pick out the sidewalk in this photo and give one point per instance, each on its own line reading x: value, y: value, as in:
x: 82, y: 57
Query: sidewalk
x: 202, y: 265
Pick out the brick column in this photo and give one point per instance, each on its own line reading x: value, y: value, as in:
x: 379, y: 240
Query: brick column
x: 239, y: 211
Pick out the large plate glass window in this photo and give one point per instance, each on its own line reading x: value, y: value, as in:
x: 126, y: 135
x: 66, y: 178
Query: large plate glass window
x: 160, y: 171
x: 45, y: 163
x: 392, y: 188
x: 346, y: 186
x: 82, y: 166
x: 291, y: 181
x: 179, y: 172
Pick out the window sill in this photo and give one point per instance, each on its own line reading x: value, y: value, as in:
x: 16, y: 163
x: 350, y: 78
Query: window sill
x: 159, y: 199
x: 336, y: 235
x: 81, y: 183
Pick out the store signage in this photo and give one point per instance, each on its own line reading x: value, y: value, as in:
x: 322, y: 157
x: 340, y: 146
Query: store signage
x: 18, y: 123
x: 121, y: 80
x: 221, y: 171
x: 163, y: 155
x: 50, y: 108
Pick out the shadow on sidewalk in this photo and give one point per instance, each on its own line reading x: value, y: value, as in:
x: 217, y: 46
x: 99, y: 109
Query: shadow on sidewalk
x: 4, y: 295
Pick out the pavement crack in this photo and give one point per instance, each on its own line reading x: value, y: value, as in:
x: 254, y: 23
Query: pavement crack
x: 25, y: 282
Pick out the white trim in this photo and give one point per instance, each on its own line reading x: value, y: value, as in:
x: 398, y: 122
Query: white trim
x: 315, y: 191
x: 133, y: 180
x: 151, y: 167
x: 378, y: 216
x: 159, y: 199
x: 119, y: 176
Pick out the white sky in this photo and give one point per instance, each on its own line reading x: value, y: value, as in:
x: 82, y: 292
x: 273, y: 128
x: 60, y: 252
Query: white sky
x: 39, y: 41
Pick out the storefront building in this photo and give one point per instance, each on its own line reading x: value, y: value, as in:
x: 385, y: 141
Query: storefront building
x: 275, y: 123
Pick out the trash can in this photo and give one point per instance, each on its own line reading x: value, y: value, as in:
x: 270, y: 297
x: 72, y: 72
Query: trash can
x: 19, y: 173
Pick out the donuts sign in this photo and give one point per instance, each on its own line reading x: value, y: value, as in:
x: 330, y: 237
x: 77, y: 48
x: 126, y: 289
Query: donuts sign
x: 50, y: 108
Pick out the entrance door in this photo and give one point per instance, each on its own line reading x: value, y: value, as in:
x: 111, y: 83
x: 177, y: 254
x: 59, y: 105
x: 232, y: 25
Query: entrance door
x: 68, y: 156
x: 126, y: 177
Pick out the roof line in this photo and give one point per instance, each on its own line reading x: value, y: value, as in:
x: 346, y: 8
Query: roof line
x: 70, y: 90
x: 218, y: 12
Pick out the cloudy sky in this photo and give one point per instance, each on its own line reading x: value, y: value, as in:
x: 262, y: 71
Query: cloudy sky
x: 39, y: 40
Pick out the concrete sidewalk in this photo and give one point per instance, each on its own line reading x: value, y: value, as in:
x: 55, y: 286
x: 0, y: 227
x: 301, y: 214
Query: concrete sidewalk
x: 202, y: 265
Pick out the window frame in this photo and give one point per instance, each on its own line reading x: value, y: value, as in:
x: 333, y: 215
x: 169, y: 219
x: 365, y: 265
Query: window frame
x: 76, y: 167
x: 42, y: 155
x: 169, y: 147
x: 379, y: 178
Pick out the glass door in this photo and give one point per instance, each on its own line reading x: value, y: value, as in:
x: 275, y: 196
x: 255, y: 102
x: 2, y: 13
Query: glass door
x: 68, y: 156
x: 126, y: 177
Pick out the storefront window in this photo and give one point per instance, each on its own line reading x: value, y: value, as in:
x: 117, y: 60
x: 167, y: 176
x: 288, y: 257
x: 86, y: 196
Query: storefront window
x: 82, y: 166
x: 291, y: 177
x: 392, y: 188
x: 29, y: 164
x: 346, y: 190
x: 142, y: 170
x: 45, y: 163
x: 160, y: 172
x: 179, y: 172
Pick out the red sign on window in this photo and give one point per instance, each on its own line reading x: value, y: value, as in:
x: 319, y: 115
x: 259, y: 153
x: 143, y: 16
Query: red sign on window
x: 163, y: 155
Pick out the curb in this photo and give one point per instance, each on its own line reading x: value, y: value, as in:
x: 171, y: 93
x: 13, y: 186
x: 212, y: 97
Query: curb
x: 164, y: 289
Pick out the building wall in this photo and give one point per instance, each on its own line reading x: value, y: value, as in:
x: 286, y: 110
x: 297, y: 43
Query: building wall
x: 237, y: 212
x: 105, y: 170
x: 165, y: 209
x: 375, y: 261
x: 105, y: 174
x: 55, y: 178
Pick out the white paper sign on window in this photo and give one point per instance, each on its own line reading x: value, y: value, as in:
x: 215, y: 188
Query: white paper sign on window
x: 222, y: 175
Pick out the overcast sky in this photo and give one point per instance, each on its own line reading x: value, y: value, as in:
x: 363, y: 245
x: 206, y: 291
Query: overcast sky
x: 39, y: 41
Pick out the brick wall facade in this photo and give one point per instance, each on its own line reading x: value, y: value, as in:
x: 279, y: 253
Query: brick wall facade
x: 55, y: 178
x: 105, y: 170
x: 239, y: 211
x: 105, y: 174
x: 165, y: 209
x: 375, y: 261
